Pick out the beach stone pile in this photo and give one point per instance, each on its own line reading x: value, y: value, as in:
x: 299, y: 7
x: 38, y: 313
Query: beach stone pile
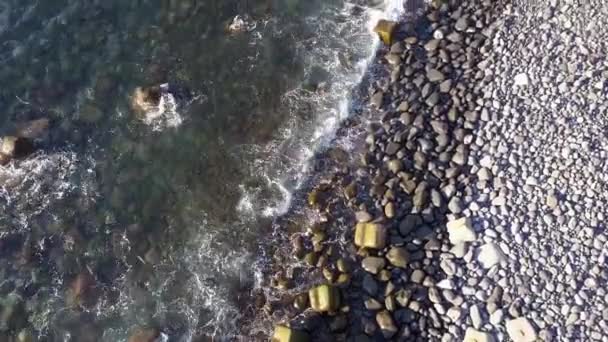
x: 535, y: 269
x: 479, y: 203
x: 412, y: 178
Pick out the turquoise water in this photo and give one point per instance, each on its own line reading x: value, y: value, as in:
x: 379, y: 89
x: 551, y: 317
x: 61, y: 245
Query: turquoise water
x: 118, y: 222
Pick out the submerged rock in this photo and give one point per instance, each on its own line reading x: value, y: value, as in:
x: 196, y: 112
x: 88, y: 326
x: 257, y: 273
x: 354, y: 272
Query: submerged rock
x: 33, y: 129
x: 144, y: 335
x: 13, y: 147
x: 82, y: 290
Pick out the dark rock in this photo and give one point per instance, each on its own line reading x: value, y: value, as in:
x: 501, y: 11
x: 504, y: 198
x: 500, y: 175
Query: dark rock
x: 408, y: 224
x: 13, y: 147
x: 370, y: 285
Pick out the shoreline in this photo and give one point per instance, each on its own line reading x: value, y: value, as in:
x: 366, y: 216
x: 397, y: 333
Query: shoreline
x: 475, y: 210
x: 384, y: 292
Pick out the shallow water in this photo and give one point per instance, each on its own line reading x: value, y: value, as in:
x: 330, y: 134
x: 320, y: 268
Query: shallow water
x: 118, y: 222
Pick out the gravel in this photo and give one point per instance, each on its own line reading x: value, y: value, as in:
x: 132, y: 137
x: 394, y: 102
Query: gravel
x: 488, y: 174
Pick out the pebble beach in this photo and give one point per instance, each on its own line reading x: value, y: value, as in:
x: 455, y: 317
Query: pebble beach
x: 474, y: 207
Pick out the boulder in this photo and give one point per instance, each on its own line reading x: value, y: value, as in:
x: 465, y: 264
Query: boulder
x: 324, y: 298
x: 521, y: 330
x: 145, y: 100
x: 285, y: 334
x: 385, y: 30
x: 461, y: 230
x: 12, y: 147
x: 370, y: 235
x: 489, y: 255
x: 472, y: 335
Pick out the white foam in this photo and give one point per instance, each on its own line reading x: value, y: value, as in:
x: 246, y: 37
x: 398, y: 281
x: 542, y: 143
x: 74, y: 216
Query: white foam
x: 296, y: 144
x: 29, y: 186
x: 164, y: 115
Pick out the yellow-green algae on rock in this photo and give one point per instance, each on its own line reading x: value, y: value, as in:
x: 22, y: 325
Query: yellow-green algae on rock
x: 385, y: 30
x: 324, y: 298
x: 370, y: 235
x: 285, y: 334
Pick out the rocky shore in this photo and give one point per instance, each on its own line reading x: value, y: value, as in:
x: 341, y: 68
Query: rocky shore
x: 475, y: 211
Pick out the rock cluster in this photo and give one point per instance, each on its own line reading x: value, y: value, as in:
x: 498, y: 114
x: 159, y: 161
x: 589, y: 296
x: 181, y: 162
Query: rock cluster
x: 478, y: 199
x: 20, y: 143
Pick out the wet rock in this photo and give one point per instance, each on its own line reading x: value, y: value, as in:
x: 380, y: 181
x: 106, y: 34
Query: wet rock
x: 370, y: 285
x: 144, y: 335
x: 363, y: 216
x: 395, y: 165
x: 373, y: 264
x: 408, y: 224
x: 12, y: 147
x: 370, y: 235
x: 392, y: 148
x: 300, y: 302
x: 350, y: 191
x: 311, y: 258
x: 389, y: 210
x: 417, y: 276
x: 285, y: 334
x: 421, y: 196
x: 338, y: 323
x: 239, y: 24
x: 403, y: 297
x: 145, y: 100
x: 386, y: 323
x: 372, y: 304
x: 324, y: 298
x: 377, y: 99
x: 398, y: 257
x: 385, y: 30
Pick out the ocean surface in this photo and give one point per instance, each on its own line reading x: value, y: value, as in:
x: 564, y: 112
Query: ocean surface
x: 122, y: 220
